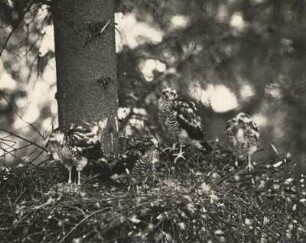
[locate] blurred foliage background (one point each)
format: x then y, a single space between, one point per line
228 56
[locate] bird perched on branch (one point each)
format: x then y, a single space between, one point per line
74 146
180 120
242 134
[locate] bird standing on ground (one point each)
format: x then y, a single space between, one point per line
71 147
180 120
242 134
145 165
145 157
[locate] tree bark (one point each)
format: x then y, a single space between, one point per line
86 65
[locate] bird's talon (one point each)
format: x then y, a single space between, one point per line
250 167
179 155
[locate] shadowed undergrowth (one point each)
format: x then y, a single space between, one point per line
203 198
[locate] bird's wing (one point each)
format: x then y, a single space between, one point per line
231 127
188 118
144 167
231 131
79 136
254 130
84 141
254 126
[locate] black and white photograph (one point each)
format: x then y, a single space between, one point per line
168 121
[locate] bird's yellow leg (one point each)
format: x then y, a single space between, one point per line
179 154
79 177
236 160
250 167
70 170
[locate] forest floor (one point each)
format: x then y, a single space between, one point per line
204 198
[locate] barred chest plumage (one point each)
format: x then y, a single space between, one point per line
65 154
167 117
145 166
72 147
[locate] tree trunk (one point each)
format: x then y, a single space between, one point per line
86 65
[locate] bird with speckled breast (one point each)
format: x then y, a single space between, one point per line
73 146
180 120
243 134
145 165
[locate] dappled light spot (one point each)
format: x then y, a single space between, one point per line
148 66
24 72
123 112
42 12
10 3
222 99
38 94
8 29
179 21
198 93
7 82
273 90
31 115
35 101
47 43
134 33
237 22
222 13
47 124
53 107
21 102
169 56
260 119
246 91
16 66
49 74
219 97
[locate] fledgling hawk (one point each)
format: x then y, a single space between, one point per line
145 165
74 146
243 134
180 120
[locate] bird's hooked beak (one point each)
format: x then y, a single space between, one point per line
241 123
165 95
